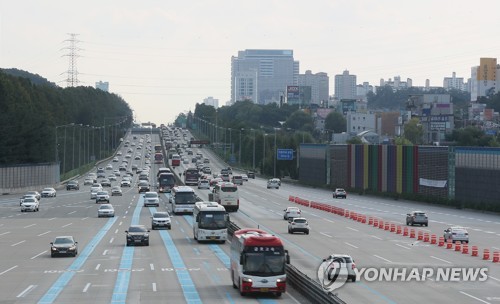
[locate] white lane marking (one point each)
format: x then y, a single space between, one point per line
441 260
98 266
66 225
84 218
116 231
494 278
4 233
86 287
38 255
43 233
384 259
327 235
71 212
5 271
490 232
124 216
50 219
105 252
376 237
26 291
111 241
293 298
154 286
29 226
473 297
329 220
18 243
352 229
126 212
403 246
351 245
152 266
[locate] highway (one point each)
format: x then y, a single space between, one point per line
176 269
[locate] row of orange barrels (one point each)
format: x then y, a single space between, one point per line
398 229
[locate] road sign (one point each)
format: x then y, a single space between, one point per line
285 154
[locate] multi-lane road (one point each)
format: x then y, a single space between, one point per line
176 269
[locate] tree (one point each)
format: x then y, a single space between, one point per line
354 141
413 131
401 141
299 120
336 122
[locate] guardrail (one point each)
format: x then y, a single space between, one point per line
307 287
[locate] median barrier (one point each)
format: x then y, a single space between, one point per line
346 213
291 198
474 251
486 254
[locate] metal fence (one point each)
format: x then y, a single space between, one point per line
22 177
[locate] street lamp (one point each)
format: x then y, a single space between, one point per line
56 150
253 154
263 151
239 157
275 152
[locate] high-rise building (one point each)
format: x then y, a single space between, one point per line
104 86
454 82
345 86
262 75
319 84
483 78
210 101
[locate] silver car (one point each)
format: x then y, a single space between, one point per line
417 217
161 219
298 224
456 234
30 204
291 212
116 190
151 199
106 210
340 264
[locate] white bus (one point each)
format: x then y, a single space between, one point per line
183 199
258 262
210 222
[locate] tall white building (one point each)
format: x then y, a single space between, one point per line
319 84
104 86
210 101
454 82
397 84
483 78
262 75
345 86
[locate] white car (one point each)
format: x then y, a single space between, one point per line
151 199
245 177
112 177
125 183
48 192
203 184
298 224
109 167
102 196
30 204
456 234
25 197
291 212
161 219
106 210
88 181
116 190
273 183
340 265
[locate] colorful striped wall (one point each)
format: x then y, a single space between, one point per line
383 168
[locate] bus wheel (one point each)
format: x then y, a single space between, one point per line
278 294
232 279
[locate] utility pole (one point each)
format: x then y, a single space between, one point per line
72 72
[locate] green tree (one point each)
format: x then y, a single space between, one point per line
413 131
354 141
335 121
299 120
401 141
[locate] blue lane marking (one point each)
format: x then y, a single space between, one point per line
230 298
64 279
123 278
188 288
211 273
224 258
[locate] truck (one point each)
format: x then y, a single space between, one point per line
258 262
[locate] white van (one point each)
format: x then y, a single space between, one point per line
227 195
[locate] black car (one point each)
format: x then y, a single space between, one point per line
64 245
143 186
137 235
251 174
72 185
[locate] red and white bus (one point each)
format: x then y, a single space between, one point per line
258 262
176 160
158 158
191 176
158 149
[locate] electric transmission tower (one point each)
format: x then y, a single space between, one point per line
72 72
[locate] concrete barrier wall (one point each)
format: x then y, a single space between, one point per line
25 177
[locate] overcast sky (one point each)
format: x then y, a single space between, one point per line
163 57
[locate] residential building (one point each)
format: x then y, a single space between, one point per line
319 84
104 86
319 118
210 101
262 75
484 78
345 86
359 122
397 84
454 82
362 90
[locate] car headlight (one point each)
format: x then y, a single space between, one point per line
280 280
53 249
245 279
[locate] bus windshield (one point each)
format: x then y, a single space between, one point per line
212 220
185 198
264 263
166 180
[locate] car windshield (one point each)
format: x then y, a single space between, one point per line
161 215
300 221
47 189
151 195
229 189
293 209
63 241
137 229
106 207
29 200
102 193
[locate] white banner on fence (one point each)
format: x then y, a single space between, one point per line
433 183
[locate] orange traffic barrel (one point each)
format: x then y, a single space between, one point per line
458 246
449 244
474 251
465 248
486 254
433 239
496 256
441 241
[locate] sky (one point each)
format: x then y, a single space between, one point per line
162 56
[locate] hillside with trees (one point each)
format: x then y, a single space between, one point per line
32 113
